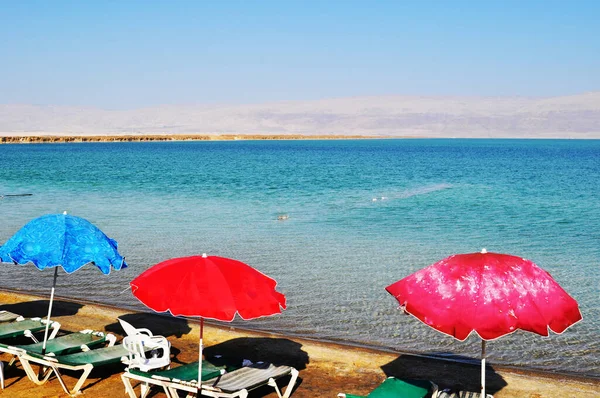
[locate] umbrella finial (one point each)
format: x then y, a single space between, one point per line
483 251
204 255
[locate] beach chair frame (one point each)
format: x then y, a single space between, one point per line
171 387
15 351
52 366
147 379
28 333
146 383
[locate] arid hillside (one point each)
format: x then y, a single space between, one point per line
576 116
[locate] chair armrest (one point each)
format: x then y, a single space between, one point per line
30 335
111 338
145 331
55 328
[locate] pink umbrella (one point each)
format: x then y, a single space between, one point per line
490 294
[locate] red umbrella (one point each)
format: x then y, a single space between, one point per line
490 294
208 287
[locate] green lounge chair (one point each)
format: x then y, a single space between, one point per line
22 327
394 387
81 361
72 342
236 383
67 344
161 378
26 327
239 382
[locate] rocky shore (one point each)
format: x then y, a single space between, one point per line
325 369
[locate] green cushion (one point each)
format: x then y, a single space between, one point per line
97 357
186 372
15 329
393 387
65 344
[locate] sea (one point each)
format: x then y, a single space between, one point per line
333 221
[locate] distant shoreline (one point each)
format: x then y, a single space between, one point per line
62 139
35 139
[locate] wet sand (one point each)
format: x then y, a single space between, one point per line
325 369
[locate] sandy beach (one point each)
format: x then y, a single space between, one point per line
325 368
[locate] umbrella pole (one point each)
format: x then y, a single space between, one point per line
200 355
49 310
482 368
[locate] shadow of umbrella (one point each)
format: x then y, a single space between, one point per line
459 372
163 325
277 351
38 308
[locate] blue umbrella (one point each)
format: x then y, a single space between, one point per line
61 240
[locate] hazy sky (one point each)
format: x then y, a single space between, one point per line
130 54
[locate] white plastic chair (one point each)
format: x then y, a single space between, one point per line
130 330
146 351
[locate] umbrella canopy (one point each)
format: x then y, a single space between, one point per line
61 240
208 287
490 294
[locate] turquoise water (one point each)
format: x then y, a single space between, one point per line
340 247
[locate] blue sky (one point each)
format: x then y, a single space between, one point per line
131 54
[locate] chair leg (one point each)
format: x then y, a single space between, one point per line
86 372
171 392
76 390
62 382
128 386
290 386
144 390
273 383
33 375
2 374
130 390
